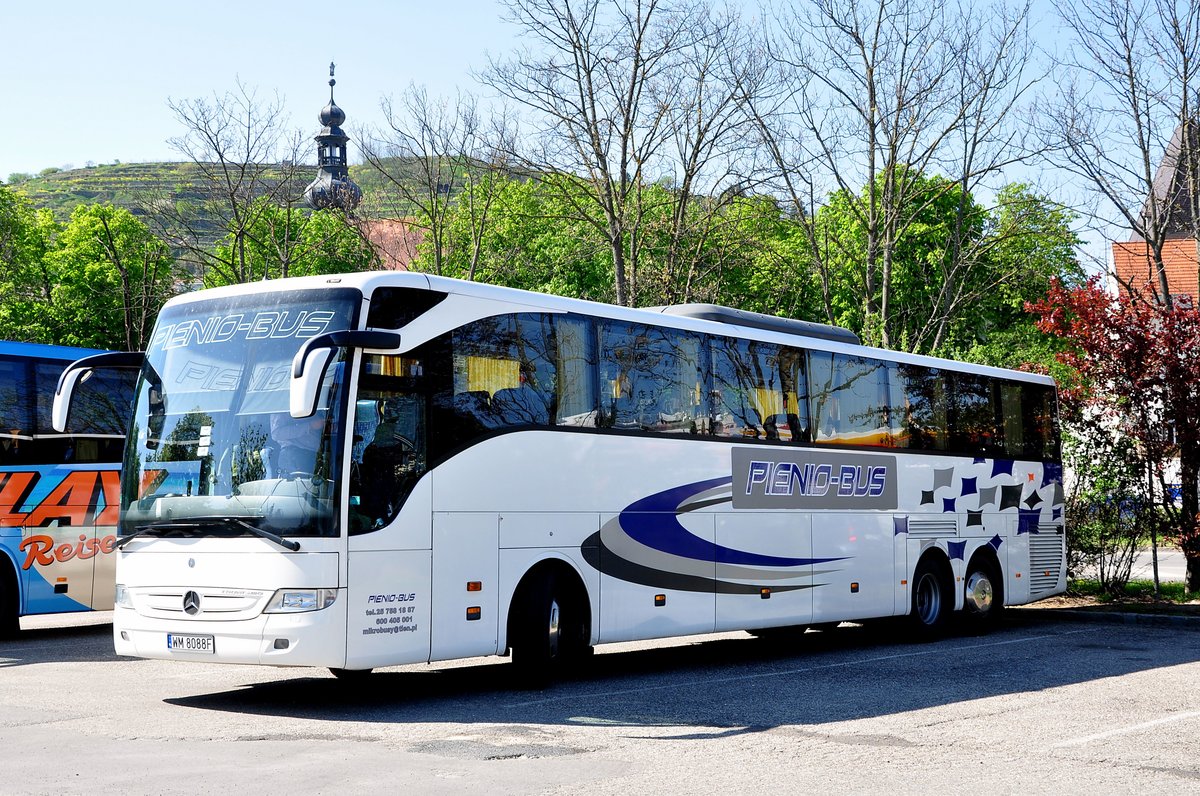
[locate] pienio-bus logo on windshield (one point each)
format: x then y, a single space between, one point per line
265 325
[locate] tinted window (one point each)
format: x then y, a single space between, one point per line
576 372
758 391
849 399
389 454
918 412
394 307
650 379
16 398
1038 416
973 416
101 403
505 370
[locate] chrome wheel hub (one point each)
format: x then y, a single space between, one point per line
979 593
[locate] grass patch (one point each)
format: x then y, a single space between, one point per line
1135 591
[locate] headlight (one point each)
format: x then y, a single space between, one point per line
294 601
121 596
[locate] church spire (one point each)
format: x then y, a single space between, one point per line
333 187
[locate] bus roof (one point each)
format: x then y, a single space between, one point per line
529 301
42 351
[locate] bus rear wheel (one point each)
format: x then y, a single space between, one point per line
983 596
932 600
548 628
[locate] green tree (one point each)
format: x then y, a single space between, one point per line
26 235
1031 243
767 264
111 277
960 273
284 241
532 240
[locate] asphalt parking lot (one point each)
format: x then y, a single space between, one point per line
1040 705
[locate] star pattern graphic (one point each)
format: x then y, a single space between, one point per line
1006 491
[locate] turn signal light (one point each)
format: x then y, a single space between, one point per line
764 593
474 585
474 612
660 600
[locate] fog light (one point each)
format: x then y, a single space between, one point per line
282 643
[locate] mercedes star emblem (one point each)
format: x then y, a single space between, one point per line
191 603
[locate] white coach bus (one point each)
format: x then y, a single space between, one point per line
384 468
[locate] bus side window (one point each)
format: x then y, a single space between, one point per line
577 396
505 371
974 427
918 407
650 378
757 391
16 420
850 398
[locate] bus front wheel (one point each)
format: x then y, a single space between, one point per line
352 676
548 628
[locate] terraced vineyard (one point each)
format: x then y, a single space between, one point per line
131 185
138 185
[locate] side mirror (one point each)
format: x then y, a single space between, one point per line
312 360
82 368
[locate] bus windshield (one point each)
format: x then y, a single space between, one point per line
212 438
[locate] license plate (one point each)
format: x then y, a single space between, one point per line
180 642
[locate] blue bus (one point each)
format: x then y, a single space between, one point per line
59 492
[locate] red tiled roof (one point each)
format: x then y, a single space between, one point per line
395 239
1134 264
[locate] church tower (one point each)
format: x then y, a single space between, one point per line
333 187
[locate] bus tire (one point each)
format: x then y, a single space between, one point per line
351 676
10 611
983 594
932 599
548 628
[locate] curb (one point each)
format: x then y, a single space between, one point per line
1174 621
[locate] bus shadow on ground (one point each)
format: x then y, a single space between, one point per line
88 643
735 684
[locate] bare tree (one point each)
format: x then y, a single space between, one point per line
436 152
869 95
711 152
1129 88
145 273
249 163
622 94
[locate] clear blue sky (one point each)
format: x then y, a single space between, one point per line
90 81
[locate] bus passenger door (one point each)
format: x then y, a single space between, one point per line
466 570
769 551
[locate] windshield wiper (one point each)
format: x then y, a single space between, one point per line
288 544
158 528
199 523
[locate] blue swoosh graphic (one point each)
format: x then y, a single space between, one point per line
653 521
